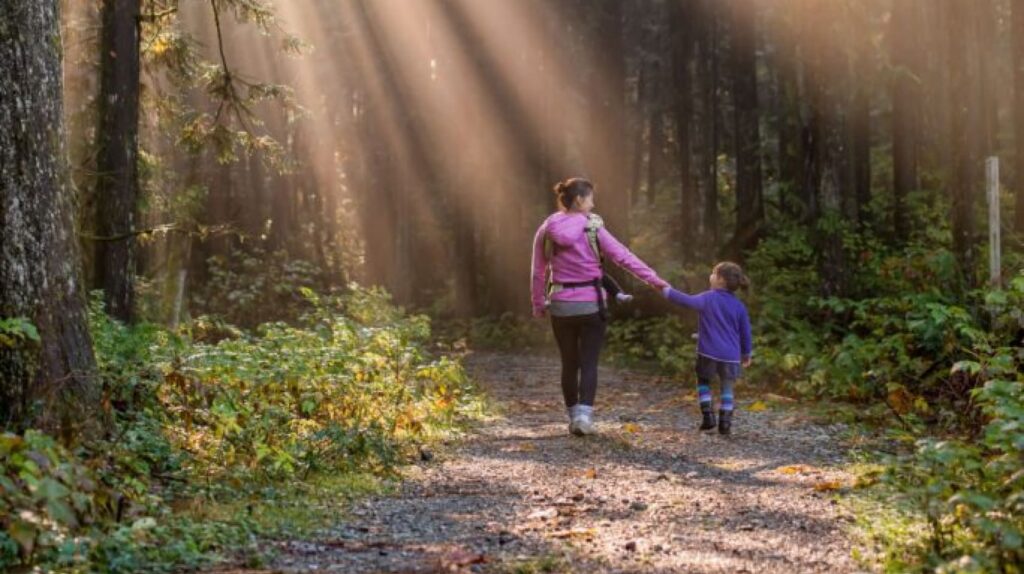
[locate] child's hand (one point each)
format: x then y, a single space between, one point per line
666 290
747 362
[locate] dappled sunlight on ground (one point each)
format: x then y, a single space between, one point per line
647 494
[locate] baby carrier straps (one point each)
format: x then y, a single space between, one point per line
594 224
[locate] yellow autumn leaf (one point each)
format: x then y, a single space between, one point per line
631 427
827 485
590 473
900 399
757 407
793 469
158 47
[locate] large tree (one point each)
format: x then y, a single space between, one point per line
961 135
906 58
117 160
49 383
1018 85
606 143
749 202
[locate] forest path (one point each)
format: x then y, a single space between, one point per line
647 494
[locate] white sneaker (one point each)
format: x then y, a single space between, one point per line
584 425
623 297
574 427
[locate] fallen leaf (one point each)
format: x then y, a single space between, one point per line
794 469
827 486
543 514
574 533
631 427
590 473
757 407
458 558
900 399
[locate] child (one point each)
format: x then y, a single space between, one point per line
723 339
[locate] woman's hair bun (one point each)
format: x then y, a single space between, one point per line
567 191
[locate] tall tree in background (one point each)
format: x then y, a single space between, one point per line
824 139
906 58
48 384
1018 111
859 117
961 142
707 122
682 33
607 134
749 202
117 161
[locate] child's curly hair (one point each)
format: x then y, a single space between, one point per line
732 274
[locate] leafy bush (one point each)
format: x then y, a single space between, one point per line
971 493
348 389
667 342
251 287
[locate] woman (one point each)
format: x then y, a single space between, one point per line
566 282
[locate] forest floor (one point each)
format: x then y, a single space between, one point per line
649 493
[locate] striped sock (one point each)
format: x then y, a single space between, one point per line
704 397
727 404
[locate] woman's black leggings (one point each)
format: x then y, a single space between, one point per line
580 339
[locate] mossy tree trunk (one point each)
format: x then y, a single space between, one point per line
49 383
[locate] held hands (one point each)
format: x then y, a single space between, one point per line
747 362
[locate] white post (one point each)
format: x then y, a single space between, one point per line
179 299
994 252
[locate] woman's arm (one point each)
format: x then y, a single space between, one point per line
623 257
538 273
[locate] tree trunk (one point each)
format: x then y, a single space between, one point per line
117 161
49 384
607 157
1018 84
709 65
788 119
824 143
682 16
749 201
906 57
638 136
860 127
961 180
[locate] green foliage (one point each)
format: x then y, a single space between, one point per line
506 332
667 342
47 499
17 331
252 287
970 493
237 421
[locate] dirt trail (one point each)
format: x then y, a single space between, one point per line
648 494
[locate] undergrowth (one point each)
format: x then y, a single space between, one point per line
221 437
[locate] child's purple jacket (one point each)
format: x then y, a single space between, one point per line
723 331
574 261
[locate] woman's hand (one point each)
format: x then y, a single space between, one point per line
747 362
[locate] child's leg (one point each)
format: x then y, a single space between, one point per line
728 373
727 401
705 372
